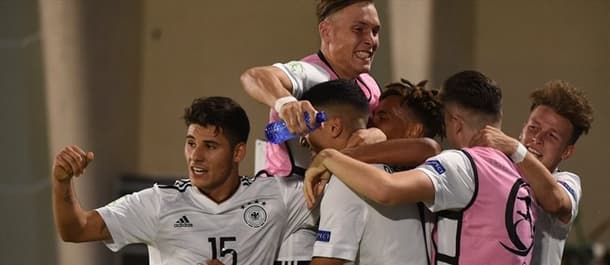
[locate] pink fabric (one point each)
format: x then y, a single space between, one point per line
497 227
277 161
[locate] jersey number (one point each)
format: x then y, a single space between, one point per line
223 251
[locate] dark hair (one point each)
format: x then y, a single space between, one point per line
567 101
338 92
424 103
222 112
326 8
475 91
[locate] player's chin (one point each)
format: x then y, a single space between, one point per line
363 67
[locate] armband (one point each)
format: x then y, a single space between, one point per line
519 155
280 102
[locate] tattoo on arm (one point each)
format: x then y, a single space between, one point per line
68 197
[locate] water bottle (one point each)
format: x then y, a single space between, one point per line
277 132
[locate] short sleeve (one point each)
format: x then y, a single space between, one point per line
451 173
303 75
342 222
299 216
570 182
131 218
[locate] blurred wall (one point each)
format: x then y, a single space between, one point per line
24 186
114 76
92 67
200 48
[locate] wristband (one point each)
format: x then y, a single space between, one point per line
519 155
280 102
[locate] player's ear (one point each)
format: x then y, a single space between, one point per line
324 30
336 127
567 152
239 152
415 130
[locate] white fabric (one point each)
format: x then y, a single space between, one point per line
303 75
519 154
280 102
182 227
454 184
551 233
356 230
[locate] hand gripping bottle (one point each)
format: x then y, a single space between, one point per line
277 132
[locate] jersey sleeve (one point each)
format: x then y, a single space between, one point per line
131 218
451 173
570 182
299 216
303 75
342 222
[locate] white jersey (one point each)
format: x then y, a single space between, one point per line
455 187
303 75
364 232
551 233
181 225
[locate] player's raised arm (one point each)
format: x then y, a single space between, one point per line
272 87
73 223
549 194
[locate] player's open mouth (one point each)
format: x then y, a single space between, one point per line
198 170
534 152
364 55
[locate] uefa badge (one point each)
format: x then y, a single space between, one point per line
255 215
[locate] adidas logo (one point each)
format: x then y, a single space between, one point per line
183 222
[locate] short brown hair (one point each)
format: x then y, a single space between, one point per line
326 8
569 102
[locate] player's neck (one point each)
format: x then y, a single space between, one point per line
225 190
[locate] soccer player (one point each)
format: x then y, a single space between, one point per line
411 117
352 229
214 216
484 207
559 115
349 37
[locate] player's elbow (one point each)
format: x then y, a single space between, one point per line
70 236
250 77
555 206
432 148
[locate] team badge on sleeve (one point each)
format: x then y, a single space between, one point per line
323 236
255 215
295 67
568 188
437 166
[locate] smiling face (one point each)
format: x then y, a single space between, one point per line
546 135
212 161
350 38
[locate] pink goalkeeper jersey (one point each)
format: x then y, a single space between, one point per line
497 226
304 74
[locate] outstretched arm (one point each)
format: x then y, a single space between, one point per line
551 197
398 152
402 187
267 84
73 223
